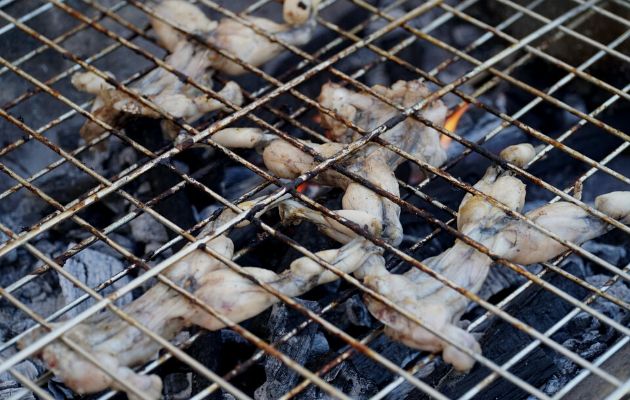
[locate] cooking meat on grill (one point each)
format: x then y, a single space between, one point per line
439 307
174 17
252 48
172 95
374 162
234 37
118 345
296 12
165 90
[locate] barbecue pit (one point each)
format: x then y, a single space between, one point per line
79 222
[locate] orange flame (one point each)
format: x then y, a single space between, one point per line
302 187
451 123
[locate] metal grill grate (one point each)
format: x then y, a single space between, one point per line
118 21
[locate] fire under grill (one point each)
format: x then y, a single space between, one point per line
88 226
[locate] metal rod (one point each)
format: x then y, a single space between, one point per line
200 136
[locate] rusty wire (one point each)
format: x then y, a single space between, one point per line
362 42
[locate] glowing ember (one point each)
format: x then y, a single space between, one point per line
451 123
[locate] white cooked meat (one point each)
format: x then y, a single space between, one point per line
119 346
439 307
198 62
374 162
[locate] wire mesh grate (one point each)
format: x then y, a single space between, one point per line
498 52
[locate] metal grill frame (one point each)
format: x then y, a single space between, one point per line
311 65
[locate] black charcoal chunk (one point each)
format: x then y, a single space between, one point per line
586 335
346 378
177 386
10 386
91 268
11 256
498 279
303 347
59 390
146 229
615 255
357 313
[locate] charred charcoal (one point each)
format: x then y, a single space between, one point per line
92 268
237 181
307 345
498 280
147 230
10 387
392 350
347 378
59 391
120 239
12 256
357 313
207 350
614 254
178 386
